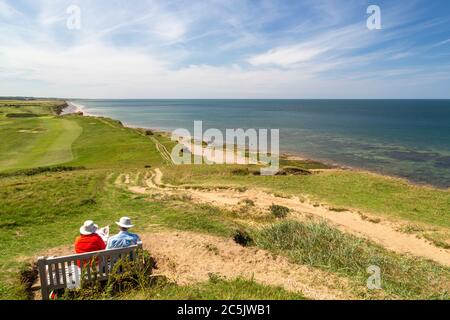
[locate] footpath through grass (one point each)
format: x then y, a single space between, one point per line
384 196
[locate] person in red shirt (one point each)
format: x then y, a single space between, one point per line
89 240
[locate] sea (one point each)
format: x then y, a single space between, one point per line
402 138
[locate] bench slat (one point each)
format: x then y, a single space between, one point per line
57 274
64 273
84 256
50 277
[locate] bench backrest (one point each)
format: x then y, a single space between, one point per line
60 272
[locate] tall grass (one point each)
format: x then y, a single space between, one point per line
214 289
319 245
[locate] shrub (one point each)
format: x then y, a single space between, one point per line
39 170
240 172
28 274
59 109
248 202
125 276
338 209
22 115
128 275
243 238
279 211
295 171
88 202
8 224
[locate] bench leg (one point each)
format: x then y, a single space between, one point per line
43 278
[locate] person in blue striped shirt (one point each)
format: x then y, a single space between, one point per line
124 238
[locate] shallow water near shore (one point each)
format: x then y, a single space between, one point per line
405 138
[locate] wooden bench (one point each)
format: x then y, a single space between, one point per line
65 272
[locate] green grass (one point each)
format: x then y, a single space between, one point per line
37 107
321 246
303 164
35 142
46 210
56 204
214 289
70 140
107 144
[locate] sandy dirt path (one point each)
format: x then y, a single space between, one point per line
384 233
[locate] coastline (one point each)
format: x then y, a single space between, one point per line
75 108
80 109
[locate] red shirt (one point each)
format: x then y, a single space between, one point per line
92 242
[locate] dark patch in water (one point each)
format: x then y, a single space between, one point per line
413 155
443 162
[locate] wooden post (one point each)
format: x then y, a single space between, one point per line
43 278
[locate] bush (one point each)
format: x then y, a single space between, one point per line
22 115
294 171
240 172
88 202
39 170
125 276
59 109
248 202
338 209
128 275
279 211
28 274
243 238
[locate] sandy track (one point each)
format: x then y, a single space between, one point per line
383 233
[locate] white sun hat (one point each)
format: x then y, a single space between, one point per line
125 222
88 228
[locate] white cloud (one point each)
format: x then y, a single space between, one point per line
99 71
286 56
169 28
160 49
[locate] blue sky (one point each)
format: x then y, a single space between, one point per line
225 49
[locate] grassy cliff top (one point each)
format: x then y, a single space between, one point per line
86 166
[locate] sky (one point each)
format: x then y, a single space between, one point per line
311 49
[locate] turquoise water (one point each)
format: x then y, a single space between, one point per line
406 138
